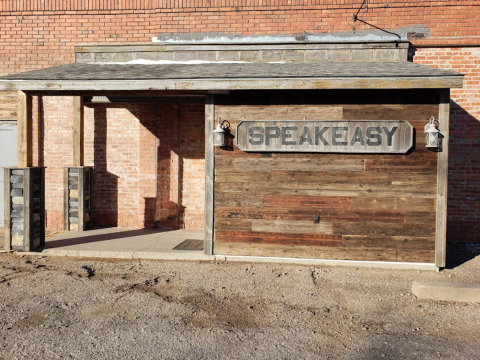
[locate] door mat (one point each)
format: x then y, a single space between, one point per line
190 244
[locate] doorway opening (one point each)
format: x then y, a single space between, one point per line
148 158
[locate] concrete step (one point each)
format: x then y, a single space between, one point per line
453 291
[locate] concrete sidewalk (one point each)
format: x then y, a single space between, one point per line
125 243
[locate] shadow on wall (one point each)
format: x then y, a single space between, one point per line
463 177
169 142
105 184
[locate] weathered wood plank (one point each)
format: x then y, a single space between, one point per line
252 213
209 173
24 129
42 207
7 210
389 242
223 224
346 190
66 199
421 217
8 105
427 82
236 152
410 165
409 178
306 201
336 215
298 164
279 112
78 130
327 178
329 214
233 176
285 226
379 229
442 180
226 187
333 253
409 112
81 199
238 199
394 204
28 229
257 237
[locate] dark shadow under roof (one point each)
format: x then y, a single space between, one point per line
212 76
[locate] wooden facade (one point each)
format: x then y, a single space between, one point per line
347 200
372 207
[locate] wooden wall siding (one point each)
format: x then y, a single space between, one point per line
371 207
8 105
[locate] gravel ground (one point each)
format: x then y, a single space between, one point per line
57 308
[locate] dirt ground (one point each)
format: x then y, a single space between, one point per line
64 308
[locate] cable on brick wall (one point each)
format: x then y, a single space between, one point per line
356 18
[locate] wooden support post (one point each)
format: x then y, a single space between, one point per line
442 180
78 115
8 209
25 208
209 172
66 200
24 128
78 182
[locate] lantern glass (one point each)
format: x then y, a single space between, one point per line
218 136
431 140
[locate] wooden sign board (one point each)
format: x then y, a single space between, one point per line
375 137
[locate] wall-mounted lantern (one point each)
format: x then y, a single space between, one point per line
219 132
432 134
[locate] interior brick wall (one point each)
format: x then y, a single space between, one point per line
148 158
57 153
192 152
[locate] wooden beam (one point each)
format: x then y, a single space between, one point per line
209 172
442 180
24 128
78 118
405 82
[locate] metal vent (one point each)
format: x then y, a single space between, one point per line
190 244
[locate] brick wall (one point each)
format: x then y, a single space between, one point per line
36 34
464 156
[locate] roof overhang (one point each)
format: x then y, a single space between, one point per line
232 76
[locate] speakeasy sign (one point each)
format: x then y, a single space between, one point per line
325 136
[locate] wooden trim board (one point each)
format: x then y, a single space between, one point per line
209 173
78 120
8 223
66 199
24 130
442 180
238 84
